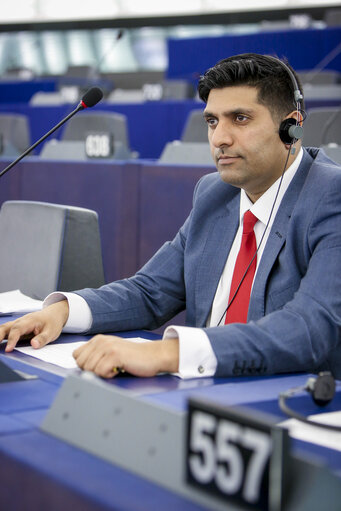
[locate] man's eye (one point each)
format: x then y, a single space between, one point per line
241 118
211 121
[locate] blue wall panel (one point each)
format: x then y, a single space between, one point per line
188 58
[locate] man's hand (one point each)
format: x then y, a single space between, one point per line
105 355
42 327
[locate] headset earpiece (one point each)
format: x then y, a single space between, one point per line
290 131
321 388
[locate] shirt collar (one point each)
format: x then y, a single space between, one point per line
262 207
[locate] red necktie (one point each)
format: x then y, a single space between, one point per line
237 312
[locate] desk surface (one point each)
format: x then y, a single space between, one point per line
54 475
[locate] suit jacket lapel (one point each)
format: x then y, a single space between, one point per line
217 247
277 239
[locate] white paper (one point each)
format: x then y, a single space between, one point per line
16 301
317 435
61 354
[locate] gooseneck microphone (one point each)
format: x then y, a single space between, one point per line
90 99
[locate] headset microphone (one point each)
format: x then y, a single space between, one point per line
322 390
290 129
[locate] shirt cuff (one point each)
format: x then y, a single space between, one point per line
80 316
196 356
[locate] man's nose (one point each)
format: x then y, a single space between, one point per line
222 135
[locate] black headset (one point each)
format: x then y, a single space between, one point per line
322 390
290 130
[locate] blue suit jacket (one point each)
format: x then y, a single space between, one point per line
295 308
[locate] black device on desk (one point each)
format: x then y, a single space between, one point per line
7 374
322 390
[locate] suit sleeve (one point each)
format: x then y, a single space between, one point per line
150 298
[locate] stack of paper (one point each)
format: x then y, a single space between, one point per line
12 302
61 354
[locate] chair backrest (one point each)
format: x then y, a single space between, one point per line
322 91
63 150
333 151
15 131
323 77
48 247
177 89
75 150
322 126
195 129
81 124
126 96
191 153
333 17
42 98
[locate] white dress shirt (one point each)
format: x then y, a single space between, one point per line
196 356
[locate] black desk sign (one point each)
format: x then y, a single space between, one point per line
236 456
99 145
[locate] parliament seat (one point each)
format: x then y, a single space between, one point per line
63 150
322 126
48 247
195 129
75 150
14 133
112 123
333 151
191 153
323 77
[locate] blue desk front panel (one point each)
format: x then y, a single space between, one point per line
109 188
166 196
15 91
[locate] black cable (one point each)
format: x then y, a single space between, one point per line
261 240
283 396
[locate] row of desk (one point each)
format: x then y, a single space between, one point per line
140 204
151 125
39 471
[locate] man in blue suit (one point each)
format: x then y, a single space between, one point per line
291 314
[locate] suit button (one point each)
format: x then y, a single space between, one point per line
201 369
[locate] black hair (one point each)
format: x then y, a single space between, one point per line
269 77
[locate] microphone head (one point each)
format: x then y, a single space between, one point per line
91 97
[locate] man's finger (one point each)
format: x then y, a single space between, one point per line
87 348
19 330
85 353
4 329
40 340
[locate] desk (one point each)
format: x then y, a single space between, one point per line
141 204
150 124
40 472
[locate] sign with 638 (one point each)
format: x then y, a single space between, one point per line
229 454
